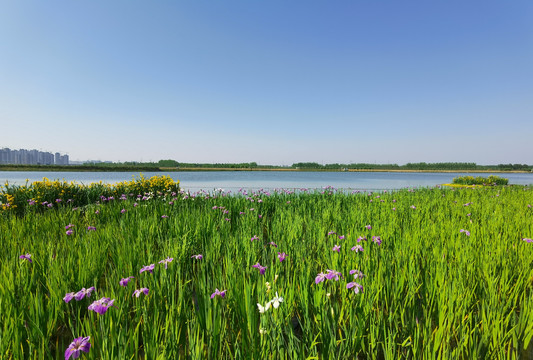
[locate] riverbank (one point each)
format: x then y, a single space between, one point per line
80 168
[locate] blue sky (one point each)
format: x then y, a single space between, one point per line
275 82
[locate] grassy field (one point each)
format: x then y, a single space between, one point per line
420 274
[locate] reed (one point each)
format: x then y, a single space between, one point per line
447 274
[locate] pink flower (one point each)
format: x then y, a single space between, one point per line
68 297
140 291
218 292
79 344
466 232
261 268
124 281
147 268
83 292
101 306
166 261
358 248
357 288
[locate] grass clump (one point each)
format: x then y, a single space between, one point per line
492 180
47 194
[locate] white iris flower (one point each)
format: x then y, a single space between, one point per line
276 301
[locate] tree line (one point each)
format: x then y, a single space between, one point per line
173 164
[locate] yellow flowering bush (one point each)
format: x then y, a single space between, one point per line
55 193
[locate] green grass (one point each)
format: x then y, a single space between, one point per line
491 180
430 291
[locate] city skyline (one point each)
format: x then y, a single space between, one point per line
273 83
31 157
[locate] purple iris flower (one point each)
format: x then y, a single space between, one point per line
467 233
281 256
261 268
123 211
331 233
69 226
357 288
273 244
332 274
255 237
79 344
91 228
218 292
358 248
68 297
164 216
69 232
320 277
26 257
166 261
197 257
124 281
147 268
413 207
361 238
101 306
528 240
368 227
376 239
337 248
357 274
138 292
83 292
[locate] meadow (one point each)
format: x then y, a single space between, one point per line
143 270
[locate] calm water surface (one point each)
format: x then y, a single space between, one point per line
253 180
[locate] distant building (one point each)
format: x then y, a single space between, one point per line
31 157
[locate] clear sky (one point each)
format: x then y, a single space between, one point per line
275 82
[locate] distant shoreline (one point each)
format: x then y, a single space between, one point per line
74 168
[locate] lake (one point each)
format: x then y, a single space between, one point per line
253 180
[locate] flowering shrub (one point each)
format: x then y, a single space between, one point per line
46 194
478 180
